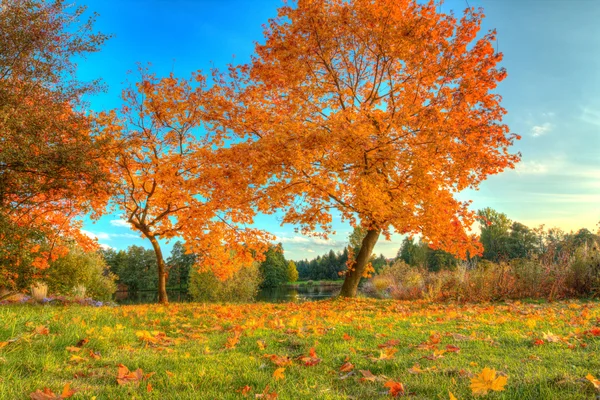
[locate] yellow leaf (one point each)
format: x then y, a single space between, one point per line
278 374
487 380
452 397
595 382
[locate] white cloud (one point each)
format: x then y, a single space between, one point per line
97 235
315 241
531 167
120 223
539 130
590 116
109 236
125 235
105 246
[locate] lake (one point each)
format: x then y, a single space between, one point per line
267 295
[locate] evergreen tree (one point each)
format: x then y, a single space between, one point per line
274 269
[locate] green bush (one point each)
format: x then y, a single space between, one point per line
79 268
241 287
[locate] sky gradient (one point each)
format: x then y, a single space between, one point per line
552 94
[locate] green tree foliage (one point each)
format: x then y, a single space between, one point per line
135 267
495 231
355 239
326 267
79 268
379 262
179 265
292 272
412 253
504 239
274 269
419 254
240 287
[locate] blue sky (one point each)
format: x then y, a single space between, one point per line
552 94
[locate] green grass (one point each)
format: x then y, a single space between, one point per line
192 362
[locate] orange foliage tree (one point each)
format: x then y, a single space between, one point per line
51 165
172 182
382 110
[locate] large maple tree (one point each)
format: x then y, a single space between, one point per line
382 110
172 182
51 168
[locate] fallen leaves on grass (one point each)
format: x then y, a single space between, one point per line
125 376
48 394
280 361
266 394
311 359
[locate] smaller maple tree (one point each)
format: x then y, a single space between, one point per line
172 182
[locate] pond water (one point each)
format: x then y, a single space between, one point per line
300 293
268 295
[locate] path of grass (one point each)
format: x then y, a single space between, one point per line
214 351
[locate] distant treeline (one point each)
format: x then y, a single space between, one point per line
502 240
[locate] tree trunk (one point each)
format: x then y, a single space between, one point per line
162 273
350 286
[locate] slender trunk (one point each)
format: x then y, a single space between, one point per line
162 273
350 286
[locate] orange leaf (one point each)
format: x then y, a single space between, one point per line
278 374
396 388
347 367
594 381
367 375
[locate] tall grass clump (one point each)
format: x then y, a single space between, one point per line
556 274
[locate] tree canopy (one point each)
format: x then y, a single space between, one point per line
370 108
52 167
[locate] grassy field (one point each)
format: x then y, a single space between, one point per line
196 351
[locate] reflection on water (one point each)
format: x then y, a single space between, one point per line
267 295
151 296
300 293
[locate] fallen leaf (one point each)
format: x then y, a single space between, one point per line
452 349
487 380
595 382
396 388
367 375
278 374
347 367
42 330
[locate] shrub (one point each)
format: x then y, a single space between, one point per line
554 275
80 269
241 287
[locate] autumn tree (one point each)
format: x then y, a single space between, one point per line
292 272
382 110
171 182
51 165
